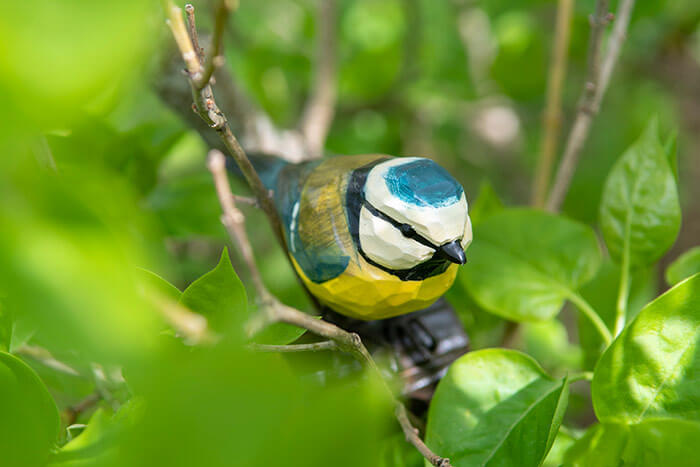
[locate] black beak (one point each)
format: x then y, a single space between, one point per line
453 251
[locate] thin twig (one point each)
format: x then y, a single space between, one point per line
192 27
552 113
215 58
313 347
72 413
45 357
273 311
318 115
597 80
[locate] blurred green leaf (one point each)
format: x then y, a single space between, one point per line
639 211
684 266
483 328
652 368
487 203
99 443
188 206
548 343
488 402
29 423
523 263
157 283
219 295
53 73
562 443
397 452
220 405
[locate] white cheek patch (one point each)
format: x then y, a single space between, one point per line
467 238
385 245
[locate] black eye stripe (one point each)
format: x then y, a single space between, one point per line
405 229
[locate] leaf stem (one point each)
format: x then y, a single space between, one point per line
591 314
624 291
584 375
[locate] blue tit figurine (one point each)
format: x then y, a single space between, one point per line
372 236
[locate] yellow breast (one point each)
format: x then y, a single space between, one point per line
366 292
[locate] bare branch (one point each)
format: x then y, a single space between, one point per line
214 59
552 113
312 347
598 78
192 27
318 115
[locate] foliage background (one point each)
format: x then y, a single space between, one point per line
462 82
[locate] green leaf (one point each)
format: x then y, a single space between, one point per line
639 212
655 441
524 263
652 369
487 203
684 266
29 421
219 295
188 206
496 407
159 284
98 444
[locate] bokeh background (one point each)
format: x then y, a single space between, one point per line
101 170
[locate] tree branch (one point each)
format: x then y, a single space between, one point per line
552 113
597 80
318 114
273 311
313 347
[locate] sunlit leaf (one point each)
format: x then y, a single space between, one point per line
652 368
488 403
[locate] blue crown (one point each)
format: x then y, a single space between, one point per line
423 183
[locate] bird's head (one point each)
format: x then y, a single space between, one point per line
413 212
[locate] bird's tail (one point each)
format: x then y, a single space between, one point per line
268 167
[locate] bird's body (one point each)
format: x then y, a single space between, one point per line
372 236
